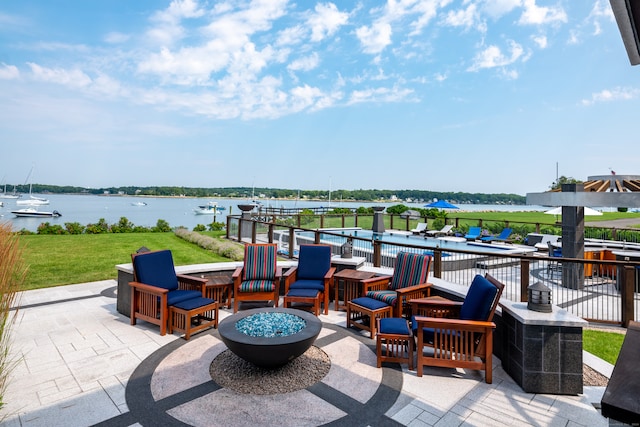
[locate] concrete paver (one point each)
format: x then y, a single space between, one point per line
76 357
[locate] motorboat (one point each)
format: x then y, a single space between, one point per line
138 204
34 213
210 208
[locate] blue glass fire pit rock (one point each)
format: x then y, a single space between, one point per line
270 337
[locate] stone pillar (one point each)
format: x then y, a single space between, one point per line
246 230
573 240
378 219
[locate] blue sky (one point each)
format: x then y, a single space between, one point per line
444 95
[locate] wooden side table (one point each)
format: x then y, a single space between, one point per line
352 286
219 288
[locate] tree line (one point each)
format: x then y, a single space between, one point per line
417 196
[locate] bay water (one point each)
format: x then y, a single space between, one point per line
177 211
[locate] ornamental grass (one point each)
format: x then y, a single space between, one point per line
12 275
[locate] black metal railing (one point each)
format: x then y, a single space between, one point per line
600 289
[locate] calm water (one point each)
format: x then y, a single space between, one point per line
88 209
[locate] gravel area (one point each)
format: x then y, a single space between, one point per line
235 373
591 377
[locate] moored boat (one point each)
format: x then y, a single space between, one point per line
34 213
210 208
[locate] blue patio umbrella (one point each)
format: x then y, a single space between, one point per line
441 204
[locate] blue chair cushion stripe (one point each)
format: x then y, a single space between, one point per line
257 286
260 262
388 297
411 269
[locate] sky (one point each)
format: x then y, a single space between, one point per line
489 96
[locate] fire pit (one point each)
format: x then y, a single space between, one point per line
269 337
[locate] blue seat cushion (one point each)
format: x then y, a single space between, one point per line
305 293
315 261
370 303
427 333
479 300
179 295
193 303
308 284
394 325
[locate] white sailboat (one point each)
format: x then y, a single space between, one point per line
32 200
5 195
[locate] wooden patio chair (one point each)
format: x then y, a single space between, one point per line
310 280
409 281
259 278
156 286
459 334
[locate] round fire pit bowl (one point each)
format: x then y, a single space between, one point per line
278 345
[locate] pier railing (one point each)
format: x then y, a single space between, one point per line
600 288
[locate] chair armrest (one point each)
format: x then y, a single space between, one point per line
420 288
379 283
330 272
149 288
463 325
436 308
290 276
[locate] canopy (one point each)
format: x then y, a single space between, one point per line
441 204
587 211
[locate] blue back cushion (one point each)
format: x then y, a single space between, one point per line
314 261
156 269
411 269
479 300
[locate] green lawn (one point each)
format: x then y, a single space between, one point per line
606 345
61 260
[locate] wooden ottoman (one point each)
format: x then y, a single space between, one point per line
193 315
362 313
303 296
397 338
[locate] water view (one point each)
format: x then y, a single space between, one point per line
145 211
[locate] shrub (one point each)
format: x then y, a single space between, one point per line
162 226
13 271
216 226
46 228
225 248
99 228
199 227
74 227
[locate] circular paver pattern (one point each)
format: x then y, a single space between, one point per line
173 386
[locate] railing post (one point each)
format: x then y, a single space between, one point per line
316 237
270 232
292 240
322 221
240 229
254 231
437 263
628 284
228 230
538 227
377 253
391 222
524 279
342 220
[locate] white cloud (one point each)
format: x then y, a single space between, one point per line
541 41
72 78
609 95
492 57
382 94
305 64
538 15
498 8
326 21
462 17
374 38
9 72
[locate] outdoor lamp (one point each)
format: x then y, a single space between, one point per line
539 298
